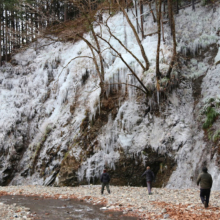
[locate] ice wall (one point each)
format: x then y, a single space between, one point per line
44 100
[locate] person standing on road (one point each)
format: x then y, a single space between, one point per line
105 179
205 181
149 178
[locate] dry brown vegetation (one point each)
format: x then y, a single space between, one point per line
66 31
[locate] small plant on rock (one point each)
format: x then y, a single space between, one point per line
216 135
211 114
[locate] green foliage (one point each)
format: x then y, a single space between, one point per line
216 135
48 130
211 116
13 4
211 100
38 148
205 2
210 134
9 4
66 155
164 81
213 135
144 153
174 74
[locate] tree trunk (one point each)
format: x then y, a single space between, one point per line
145 90
26 27
13 34
22 32
6 35
193 5
65 11
10 34
173 33
136 36
32 26
36 22
126 2
169 3
142 22
3 38
158 8
1 9
162 16
125 47
136 13
177 7
164 7
99 54
18 31
152 12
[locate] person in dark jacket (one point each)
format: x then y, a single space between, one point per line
149 178
105 179
205 181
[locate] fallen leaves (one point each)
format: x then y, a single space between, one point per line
183 212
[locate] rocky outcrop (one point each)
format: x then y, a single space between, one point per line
128 170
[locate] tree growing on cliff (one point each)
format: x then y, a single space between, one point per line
87 17
145 66
94 44
173 34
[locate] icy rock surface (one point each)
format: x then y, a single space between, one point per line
44 101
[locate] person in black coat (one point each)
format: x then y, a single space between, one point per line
205 181
105 179
149 178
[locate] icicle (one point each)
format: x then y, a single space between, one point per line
117 80
122 80
110 84
129 89
99 105
108 88
110 118
158 98
125 33
150 104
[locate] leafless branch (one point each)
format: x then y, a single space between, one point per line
109 30
146 90
68 64
127 85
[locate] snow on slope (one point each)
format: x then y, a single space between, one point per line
44 88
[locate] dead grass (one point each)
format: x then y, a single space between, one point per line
66 31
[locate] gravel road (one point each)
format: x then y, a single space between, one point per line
133 201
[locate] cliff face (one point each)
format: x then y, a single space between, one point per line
57 128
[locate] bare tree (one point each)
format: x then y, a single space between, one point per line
173 33
1 11
136 13
158 10
193 5
147 64
142 19
87 13
145 90
151 10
